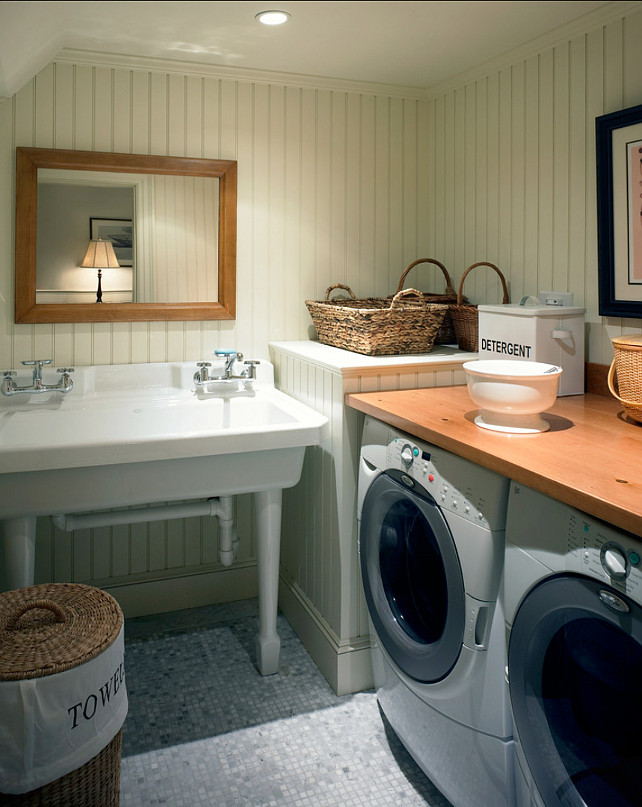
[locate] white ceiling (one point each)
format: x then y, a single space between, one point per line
418 44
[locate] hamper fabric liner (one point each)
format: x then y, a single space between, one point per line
626 370
63 699
377 326
465 316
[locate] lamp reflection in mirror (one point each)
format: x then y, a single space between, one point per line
100 255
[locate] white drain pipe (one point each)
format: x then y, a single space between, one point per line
228 540
221 507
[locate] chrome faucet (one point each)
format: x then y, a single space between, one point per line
202 376
37 365
230 357
10 387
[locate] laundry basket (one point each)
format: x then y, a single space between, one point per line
446 333
62 696
377 326
465 316
626 371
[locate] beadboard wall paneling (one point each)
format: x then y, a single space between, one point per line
332 188
511 171
328 191
185 235
319 540
127 554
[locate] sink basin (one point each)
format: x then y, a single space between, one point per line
512 394
142 413
141 434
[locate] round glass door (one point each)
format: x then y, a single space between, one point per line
412 577
575 665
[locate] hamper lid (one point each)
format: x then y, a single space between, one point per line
53 627
628 342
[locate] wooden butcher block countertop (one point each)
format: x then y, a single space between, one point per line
591 458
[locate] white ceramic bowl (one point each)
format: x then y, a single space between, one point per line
512 394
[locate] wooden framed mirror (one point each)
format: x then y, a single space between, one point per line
59 166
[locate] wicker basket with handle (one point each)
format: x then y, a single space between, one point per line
377 326
446 334
626 370
465 316
57 637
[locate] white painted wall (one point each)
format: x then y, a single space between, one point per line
64 213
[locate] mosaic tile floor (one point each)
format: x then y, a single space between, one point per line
204 728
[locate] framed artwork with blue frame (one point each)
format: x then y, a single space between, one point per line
618 140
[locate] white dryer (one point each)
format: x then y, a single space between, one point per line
431 546
573 595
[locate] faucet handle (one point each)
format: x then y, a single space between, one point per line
251 368
65 370
230 355
36 362
202 374
9 373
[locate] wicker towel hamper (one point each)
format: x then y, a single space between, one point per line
62 696
626 370
377 326
446 334
465 316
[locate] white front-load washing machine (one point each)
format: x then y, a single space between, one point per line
573 596
431 547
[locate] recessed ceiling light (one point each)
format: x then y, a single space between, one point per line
272 17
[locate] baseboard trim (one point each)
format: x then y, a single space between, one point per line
347 667
186 591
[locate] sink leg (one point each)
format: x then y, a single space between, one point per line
19 538
268 539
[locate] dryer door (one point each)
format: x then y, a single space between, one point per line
412 578
575 666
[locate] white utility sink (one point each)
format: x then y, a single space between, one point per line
138 434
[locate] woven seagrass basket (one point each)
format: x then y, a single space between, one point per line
446 333
465 316
626 370
52 628
377 326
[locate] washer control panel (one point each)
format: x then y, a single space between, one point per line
551 530
456 484
597 549
613 559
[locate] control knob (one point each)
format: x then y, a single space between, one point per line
614 561
407 455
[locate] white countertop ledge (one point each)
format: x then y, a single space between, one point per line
349 363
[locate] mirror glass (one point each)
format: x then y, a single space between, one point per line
171 222
164 230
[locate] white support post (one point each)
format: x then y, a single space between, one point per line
19 538
268 539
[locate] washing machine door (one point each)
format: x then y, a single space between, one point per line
412 577
575 667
